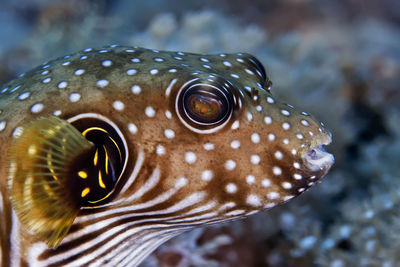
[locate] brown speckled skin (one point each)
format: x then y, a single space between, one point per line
150 133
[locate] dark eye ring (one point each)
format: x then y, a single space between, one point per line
204 107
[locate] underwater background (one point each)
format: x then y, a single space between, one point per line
338 60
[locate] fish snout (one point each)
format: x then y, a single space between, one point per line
317 159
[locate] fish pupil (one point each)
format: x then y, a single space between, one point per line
204 106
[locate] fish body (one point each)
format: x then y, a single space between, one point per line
107 153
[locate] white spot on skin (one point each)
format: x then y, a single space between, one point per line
153 71
234 75
24 95
74 97
168 114
286 185
45 72
66 63
301 190
46 80
118 105
150 112
299 136
273 195
190 157
230 165
286 141
178 58
297 176
172 70
249 71
255 159
131 71
235 125
267 120
270 100
132 128
235 144
2 125
255 138
286 126
231 188
136 89
296 165
271 137
36 108
106 63
102 83
249 116
160 150
227 63
259 108
276 170
158 59
305 123
294 151
204 59
253 200
285 112
265 182
250 179
278 155
209 146
57 113
79 72
206 175
169 133
135 60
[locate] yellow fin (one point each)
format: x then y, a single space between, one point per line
38 177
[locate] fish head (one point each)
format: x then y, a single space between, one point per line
220 136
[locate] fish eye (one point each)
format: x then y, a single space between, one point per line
204 106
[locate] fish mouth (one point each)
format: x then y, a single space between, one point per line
318 159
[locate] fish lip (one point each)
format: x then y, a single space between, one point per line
318 159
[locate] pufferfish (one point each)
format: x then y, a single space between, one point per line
108 153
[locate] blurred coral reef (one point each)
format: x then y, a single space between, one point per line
339 60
